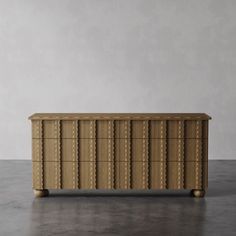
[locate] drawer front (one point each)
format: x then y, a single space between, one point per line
120 175
120 149
119 129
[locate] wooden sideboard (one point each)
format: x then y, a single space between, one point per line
120 151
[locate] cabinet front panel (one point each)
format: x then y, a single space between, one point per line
121 154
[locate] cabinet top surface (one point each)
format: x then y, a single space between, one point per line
119 116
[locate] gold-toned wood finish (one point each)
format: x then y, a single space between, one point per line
120 151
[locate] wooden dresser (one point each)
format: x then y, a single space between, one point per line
120 151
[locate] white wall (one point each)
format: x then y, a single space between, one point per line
117 56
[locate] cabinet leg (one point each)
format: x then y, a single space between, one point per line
41 192
198 192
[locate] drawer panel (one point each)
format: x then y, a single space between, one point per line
119 129
55 175
120 149
120 175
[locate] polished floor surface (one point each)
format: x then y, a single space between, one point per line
105 213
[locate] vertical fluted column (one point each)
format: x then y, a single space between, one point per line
166 171
59 154
110 154
77 152
92 154
128 167
41 153
145 167
74 153
180 165
198 168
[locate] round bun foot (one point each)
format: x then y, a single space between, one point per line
41 192
198 192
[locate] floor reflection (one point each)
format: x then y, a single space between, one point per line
73 213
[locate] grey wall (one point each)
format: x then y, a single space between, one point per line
117 56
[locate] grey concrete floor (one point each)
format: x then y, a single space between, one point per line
106 213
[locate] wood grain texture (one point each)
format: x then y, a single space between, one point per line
112 153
